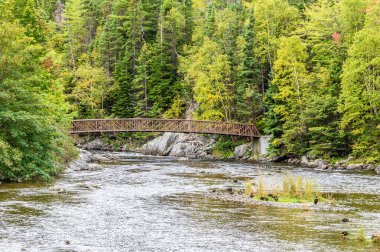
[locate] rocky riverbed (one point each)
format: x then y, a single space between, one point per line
200 147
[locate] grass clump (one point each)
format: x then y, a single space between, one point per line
299 188
292 190
249 189
261 191
360 234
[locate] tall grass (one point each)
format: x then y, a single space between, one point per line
261 191
360 234
249 189
292 187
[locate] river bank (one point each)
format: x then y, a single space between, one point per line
194 146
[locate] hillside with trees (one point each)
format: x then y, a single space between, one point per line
306 72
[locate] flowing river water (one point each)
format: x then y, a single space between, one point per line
144 203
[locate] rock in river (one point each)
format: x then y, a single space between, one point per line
161 145
241 150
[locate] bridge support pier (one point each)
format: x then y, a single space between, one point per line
260 145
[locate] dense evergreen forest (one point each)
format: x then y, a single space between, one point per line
306 72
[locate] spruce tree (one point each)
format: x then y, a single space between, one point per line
248 98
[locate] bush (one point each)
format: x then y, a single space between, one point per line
224 147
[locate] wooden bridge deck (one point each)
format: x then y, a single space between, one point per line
163 125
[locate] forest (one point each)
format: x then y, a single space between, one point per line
306 72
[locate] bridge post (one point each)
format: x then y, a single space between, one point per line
260 145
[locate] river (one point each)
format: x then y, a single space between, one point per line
145 203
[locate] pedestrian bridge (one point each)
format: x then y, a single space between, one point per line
164 125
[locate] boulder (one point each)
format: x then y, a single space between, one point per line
277 159
81 162
161 145
344 161
182 150
193 146
304 160
369 167
355 166
96 144
377 169
241 150
320 163
180 145
294 161
124 147
97 158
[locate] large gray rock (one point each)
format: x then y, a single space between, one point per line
320 163
179 145
377 169
241 150
191 145
82 163
96 144
355 166
182 150
161 145
304 160
344 161
97 158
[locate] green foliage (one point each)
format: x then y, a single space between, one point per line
207 70
225 147
33 114
291 67
249 98
292 81
360 94
306 71
274 18
90 90
176 109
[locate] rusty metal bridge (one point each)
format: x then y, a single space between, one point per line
163 125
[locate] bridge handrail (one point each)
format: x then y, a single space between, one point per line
163 125
160 119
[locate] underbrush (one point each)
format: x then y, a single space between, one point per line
224 148
132 140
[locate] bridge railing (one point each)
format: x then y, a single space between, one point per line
163 125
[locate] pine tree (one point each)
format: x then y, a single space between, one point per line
248 98
141 82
